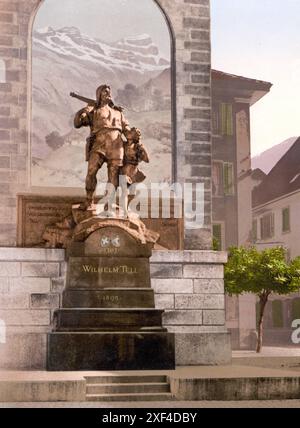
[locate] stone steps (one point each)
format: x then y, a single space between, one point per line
128 388
131 388
125 379
130 397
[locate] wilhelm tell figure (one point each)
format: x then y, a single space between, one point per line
105 144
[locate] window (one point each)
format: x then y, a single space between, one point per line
254 230
277 313
228 179
216 119
286 227
217 236
226 119
296 309
222 119
267 226
217 179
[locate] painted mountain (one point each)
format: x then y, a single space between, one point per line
65 60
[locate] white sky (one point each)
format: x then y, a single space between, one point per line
261 39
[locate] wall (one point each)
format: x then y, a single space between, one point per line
31 281
190 23
188 285
281 238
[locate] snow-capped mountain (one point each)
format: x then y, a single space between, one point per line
133 53
65 60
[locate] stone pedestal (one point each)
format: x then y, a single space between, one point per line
108 319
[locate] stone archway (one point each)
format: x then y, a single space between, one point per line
189 20
45 87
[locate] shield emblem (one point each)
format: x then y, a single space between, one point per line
105 241
116 242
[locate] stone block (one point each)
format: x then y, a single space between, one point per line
200 301
29 285
203 271
164 301
197 23
186 256
109 298
5 162
182 318
26 317
6 17
32 254
24 351
214 317
108 320
10 269
169 286
4 285
14 301
44 301
106 351
204 349
58 284
45 391
40 269
208 286
196 329
165 270
4 135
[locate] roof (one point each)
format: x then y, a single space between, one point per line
282 180
258 174
251 90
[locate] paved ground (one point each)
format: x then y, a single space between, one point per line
163 405
270 357
274 362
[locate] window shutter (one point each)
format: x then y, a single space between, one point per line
228 179
286 220
272 225
223 118
229 117
226 111
215 120
254 230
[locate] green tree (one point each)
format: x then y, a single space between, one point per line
261 273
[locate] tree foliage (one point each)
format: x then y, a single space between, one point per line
261 273
252 271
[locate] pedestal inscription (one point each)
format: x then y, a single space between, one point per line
103 272
108 320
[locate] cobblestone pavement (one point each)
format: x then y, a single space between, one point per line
272 404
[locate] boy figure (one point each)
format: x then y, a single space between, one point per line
134 153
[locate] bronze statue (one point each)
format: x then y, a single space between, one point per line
108 127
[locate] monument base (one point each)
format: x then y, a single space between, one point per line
110 351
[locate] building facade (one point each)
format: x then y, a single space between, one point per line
276 207
232 98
